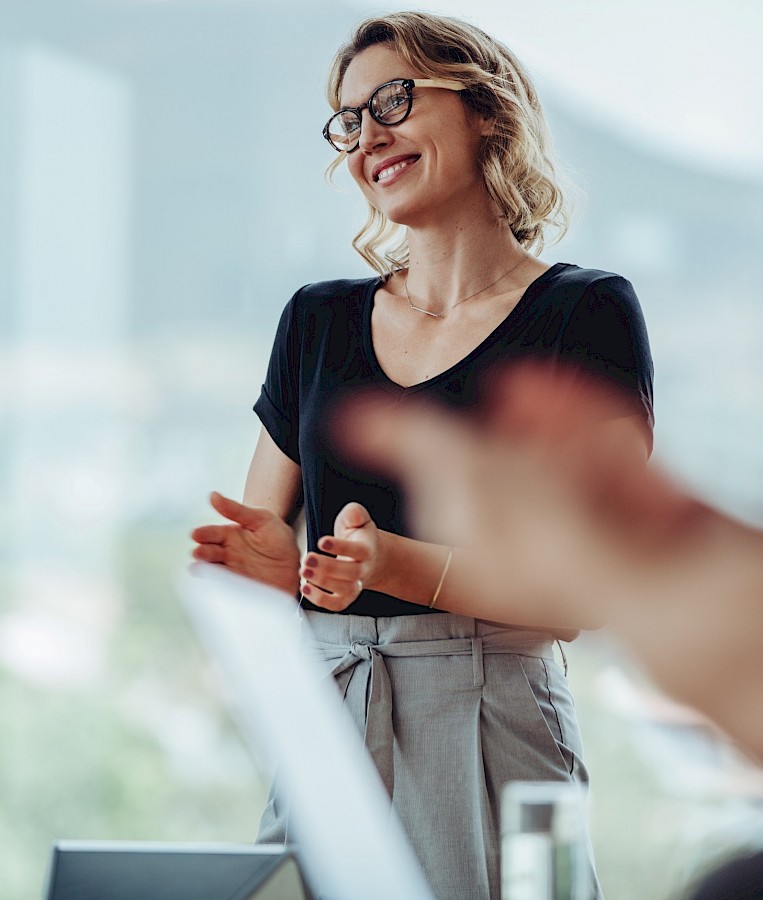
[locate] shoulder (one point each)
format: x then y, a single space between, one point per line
325 295
324 309
322 302
574 284
579 280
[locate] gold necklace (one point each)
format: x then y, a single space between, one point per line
442 315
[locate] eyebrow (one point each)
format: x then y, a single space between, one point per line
386 81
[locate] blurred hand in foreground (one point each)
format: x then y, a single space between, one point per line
557 509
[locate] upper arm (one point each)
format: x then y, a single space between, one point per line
273 481
606 336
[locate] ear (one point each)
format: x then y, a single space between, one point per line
485 126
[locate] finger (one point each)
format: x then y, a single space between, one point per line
329 573
540 401
397 440
350 550
211 553
565 422
340 588
404 441
250 517
335 602
360 429
571 406
210 534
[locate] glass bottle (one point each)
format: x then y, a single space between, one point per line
544 845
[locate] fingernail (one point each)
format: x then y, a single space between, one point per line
311 561
307 573
306 589
327 544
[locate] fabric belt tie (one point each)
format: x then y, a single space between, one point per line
378 732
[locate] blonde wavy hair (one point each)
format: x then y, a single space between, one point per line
515 157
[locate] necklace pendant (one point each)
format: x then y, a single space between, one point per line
435 315
426 312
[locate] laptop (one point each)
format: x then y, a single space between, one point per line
350 841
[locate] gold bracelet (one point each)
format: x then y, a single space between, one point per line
442 578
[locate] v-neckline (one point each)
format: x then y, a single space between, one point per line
381 377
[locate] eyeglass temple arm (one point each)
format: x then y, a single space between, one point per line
446 83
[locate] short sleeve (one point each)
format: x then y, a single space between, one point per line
278 404
606 336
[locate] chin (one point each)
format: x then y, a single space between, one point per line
405 214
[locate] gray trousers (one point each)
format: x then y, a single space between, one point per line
451 708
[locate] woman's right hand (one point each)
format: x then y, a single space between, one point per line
257 544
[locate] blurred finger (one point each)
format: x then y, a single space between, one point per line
370 430
210 534
211 553
250 517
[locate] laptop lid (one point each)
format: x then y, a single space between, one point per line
350 841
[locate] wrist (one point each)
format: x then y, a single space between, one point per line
436 594
376 580
286 574
292 585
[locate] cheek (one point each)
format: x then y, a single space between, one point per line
355 168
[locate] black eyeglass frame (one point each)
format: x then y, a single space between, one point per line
409 84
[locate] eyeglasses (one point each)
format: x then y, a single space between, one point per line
390 104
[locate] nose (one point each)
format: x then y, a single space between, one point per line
372 133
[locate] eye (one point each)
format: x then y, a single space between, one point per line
348 123
389 101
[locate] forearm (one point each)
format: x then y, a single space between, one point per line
412 569
409 569
273 481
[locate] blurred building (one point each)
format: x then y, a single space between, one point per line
161 197
226 213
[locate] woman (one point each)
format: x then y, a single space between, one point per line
442 132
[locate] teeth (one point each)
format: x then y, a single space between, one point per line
385 173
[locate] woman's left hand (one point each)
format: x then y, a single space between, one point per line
334 582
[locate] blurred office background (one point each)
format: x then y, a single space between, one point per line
161 197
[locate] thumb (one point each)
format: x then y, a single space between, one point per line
249 517
351 516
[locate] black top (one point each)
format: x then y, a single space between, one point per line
323 350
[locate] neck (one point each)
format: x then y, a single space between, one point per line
450 260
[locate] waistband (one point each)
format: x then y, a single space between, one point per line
444 634
347 640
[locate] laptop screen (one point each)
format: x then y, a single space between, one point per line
349 838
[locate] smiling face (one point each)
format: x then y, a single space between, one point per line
424 169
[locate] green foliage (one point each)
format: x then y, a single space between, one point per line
146 753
